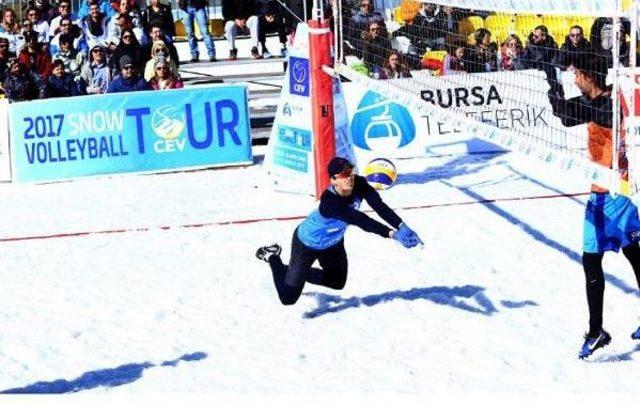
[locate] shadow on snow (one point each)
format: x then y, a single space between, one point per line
473 163
468 298
124 374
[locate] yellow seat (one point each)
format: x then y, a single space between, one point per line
180 31
558 27
216 27
469 24
500 26
524 24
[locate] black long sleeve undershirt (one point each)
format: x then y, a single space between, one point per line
339 207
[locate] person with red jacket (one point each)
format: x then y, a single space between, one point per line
34 57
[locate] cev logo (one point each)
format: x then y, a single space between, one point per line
168 123
299 76
381 125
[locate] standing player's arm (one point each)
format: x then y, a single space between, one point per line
572 112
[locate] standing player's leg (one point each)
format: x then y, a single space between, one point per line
632 253
594 281
597 337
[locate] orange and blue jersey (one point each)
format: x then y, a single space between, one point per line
610 223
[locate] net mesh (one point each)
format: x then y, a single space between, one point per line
520 75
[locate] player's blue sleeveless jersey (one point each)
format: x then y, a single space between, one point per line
319 232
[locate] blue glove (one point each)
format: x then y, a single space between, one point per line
407 237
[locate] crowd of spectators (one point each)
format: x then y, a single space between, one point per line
437 28
120 45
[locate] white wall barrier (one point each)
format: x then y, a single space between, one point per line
5 160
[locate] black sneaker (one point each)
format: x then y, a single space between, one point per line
592 343
254 53
194 59
213 58
264 253
233 54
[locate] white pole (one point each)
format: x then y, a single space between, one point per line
632 136
616 86
336 46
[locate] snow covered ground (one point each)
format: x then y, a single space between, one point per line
164 294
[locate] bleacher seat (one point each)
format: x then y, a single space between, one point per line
558 27
524 24
216 28
500 25
468 25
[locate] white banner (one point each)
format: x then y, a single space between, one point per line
5 161
383 127
289 160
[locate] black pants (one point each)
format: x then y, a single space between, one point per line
290 280
594 276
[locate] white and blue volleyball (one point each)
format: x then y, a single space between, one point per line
380 173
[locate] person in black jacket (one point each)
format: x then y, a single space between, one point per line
158 14
602 40
540 53
156 33
376 47
241 19
22 84
196 10
483 56
575 46
60 83
272 19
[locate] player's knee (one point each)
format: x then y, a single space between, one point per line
337 283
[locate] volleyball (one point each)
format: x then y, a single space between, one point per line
380 173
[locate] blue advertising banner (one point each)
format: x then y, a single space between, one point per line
142 131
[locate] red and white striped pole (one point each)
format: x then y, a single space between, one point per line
320 39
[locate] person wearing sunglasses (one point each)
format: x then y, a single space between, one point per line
38 24
575 46
321 235
163 78
64 12
97 74
129 79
